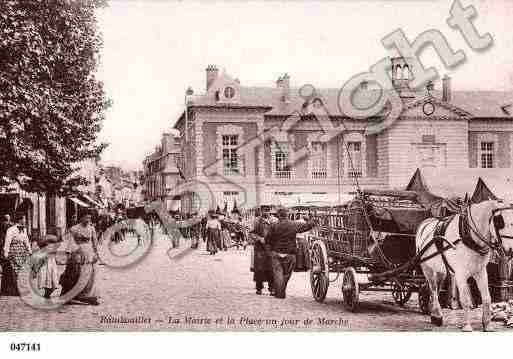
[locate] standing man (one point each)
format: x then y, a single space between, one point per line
282 241
262 266
5 224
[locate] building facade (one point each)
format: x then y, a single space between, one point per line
161 174
230 142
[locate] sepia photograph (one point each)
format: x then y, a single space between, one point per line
276 166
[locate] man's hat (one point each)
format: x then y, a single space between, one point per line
282 211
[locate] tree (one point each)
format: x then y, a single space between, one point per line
51 103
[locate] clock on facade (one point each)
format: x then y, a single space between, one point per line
428 108
229 92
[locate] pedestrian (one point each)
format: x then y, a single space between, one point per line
262 265
175 240
82 253
204 227
16 251
281 238
4 226
47 276
225 235
213 233
5 223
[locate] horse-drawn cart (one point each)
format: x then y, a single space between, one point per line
370 241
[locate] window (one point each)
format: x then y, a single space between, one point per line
318 160
230 198
406 72
487 154
355 153
230 159
399 72
282 169
428 138
229 92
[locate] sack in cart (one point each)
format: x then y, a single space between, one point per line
302 256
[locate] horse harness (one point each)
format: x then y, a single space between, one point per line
466 226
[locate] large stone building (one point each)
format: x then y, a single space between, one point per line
444 129
161 174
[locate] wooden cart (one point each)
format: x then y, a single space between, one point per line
370 241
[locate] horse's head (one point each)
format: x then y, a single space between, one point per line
501 227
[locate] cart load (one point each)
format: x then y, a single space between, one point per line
373 234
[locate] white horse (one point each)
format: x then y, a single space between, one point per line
489 227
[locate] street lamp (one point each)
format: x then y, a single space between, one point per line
188 93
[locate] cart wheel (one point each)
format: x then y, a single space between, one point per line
425 299
350 289
319 272
401 293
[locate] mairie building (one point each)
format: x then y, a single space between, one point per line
226 147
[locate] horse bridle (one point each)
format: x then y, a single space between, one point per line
498 224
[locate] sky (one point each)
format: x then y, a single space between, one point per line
154 50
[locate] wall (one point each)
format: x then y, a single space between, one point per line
210 145
406 132
504 148
371 153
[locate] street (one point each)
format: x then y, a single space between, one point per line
189 289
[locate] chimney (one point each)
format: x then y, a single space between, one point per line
212 73
283 83
446 89
286 81
279 82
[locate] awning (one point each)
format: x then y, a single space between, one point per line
92 201
79 202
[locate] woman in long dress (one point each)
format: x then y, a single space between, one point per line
48 276
82 253
213 228
225 238
16 250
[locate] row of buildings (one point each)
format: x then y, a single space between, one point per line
441 129
49 214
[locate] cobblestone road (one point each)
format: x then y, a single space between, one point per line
194 290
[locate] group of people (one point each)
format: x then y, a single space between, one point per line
217 234
79 244
275 249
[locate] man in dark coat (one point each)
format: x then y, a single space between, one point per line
5 224
282 241
262 266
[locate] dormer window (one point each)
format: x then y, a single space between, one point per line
229 92
317 103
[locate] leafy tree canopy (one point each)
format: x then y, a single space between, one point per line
51 103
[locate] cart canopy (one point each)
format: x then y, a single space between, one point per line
444 190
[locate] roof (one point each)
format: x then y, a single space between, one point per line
499 182
452 183
479 104
444 182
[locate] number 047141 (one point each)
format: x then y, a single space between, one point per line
25 347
